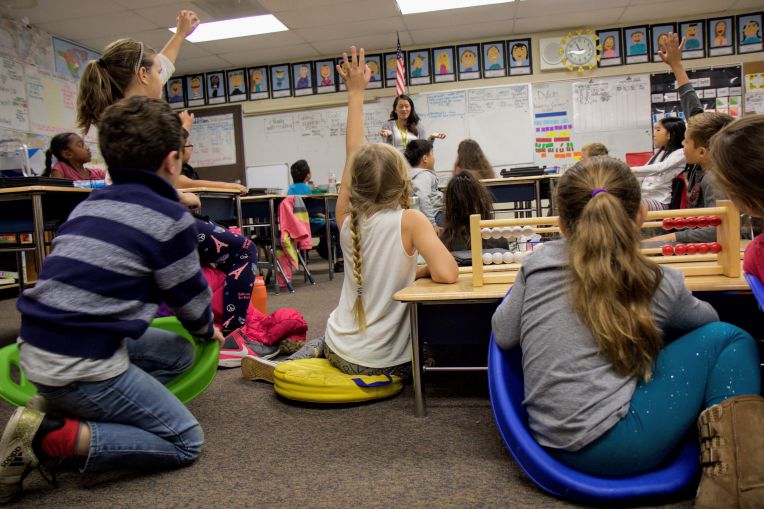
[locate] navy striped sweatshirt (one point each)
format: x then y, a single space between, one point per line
121 252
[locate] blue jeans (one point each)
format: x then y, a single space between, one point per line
135 422
701 369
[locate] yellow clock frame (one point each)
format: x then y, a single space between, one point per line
597 48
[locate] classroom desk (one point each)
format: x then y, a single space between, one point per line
433 315
261 207
329 202
38 205
521 189
220 205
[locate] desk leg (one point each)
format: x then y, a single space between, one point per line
39 230
552 189
274 247
538 198
239 221
416 369
329 242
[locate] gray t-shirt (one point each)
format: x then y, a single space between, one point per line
572 393
396 139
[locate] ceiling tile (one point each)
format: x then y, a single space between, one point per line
48 11
589 19
275 56
552 8
252 43
445 35
123 25
139 4
456 17
360 10
211 63
292 5
680 8
371 43
747 5
167 15
334 31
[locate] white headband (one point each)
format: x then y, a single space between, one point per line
140 59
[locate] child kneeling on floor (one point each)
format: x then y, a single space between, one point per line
85 340
619 358
368 332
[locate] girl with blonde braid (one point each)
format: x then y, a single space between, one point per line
381 237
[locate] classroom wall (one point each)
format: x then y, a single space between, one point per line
320 101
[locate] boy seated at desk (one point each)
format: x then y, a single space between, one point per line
300 177
190 178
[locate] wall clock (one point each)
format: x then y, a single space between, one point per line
580 50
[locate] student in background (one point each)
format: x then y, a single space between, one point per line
368 332
610 389
71 155
701 126
421 158
658 174
85 340
300 171
593 150
190 178
469 156
465 195
737 157
128 68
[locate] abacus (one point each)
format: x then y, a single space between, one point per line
725 252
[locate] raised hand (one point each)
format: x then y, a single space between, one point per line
354 71
186 119
385 133
671 53
187 23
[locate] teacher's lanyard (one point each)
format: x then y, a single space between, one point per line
404 134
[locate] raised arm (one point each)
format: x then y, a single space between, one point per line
187 23
356 76
671 54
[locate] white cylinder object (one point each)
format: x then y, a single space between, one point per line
487 258
519 257
508 257
527 230
496 233
497 258
485 233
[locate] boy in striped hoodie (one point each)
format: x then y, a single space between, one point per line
85 339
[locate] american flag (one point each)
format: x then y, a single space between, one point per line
400 71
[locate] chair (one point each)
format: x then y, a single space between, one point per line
185 386
678 192
757 287
638 158
505 382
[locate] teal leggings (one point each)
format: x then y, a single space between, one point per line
698 370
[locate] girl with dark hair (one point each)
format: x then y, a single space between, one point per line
470 157
404 125
465 196
667 163
619 359
71 154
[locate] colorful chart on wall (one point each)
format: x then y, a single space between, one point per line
70 59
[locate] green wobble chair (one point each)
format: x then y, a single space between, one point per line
186 386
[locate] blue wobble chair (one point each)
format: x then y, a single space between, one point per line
505 383
757 287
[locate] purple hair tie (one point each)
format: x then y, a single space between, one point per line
598 190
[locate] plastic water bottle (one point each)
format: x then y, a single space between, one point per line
332 182
260 296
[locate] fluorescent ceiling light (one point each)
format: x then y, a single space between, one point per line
416 6
241 27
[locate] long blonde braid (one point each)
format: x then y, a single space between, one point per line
355 238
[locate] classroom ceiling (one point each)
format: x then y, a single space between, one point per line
326 27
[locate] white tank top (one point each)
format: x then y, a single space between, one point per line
387 268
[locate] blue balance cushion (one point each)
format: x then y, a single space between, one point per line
757 287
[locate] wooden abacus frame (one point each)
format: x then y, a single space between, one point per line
727 235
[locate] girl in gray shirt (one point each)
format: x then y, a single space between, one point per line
607 390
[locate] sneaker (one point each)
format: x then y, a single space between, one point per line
237 346
339 266
18 457
257 368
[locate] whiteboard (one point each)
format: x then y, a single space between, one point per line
571 114
214 140
269 176
499 118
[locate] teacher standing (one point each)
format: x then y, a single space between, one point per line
404 125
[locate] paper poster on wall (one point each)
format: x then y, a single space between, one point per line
553 124
612 104
214 141
13 97
754 93
70 59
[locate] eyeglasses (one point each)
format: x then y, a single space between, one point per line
188 146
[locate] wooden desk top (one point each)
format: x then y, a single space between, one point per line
37 189
493 182
219 190
262 197
425 290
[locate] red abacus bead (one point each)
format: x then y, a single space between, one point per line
689 222
668 250
702 221
692 249
715 247
714 221
680 249
680 223
668 224
703 248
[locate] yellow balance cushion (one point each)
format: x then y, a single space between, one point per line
317 381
